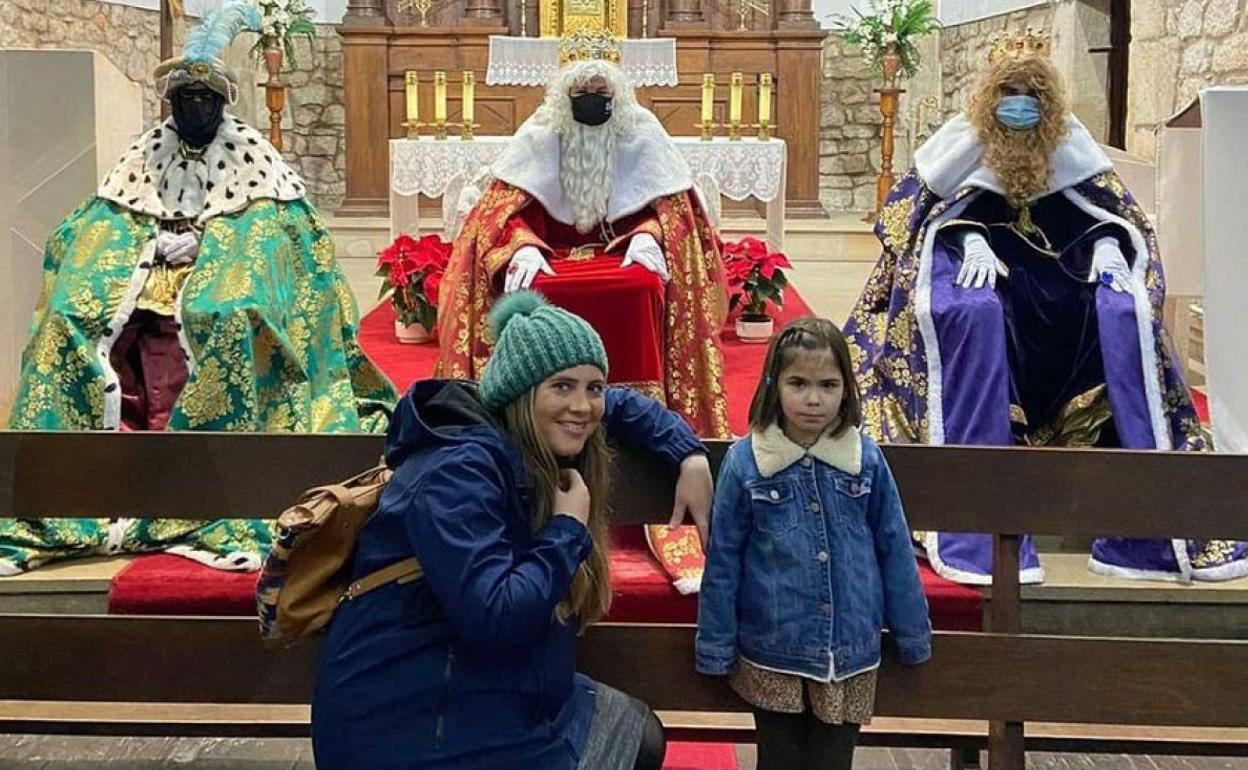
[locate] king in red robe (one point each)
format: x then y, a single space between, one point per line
592 205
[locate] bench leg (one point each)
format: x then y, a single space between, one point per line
963 759
1005 746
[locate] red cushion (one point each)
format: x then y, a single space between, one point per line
161 584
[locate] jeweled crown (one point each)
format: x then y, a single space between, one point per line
1016 45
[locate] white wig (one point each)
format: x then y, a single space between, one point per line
556 108
586 153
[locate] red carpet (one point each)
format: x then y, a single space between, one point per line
404 364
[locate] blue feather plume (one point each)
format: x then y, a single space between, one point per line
218 27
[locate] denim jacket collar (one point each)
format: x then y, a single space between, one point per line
774 451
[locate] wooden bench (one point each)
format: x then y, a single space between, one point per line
100 674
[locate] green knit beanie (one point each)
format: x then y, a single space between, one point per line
533 339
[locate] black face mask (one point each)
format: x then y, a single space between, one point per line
197 114
591 109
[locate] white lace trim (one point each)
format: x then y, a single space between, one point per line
533 61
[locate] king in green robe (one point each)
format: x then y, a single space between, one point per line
196 290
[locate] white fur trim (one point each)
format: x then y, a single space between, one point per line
929 551
1228 571
646 166
774 451
116 539
1143 316
952 158
236 561
104 346
238 167
691 584
1131 573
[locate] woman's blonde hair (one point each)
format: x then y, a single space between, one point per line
1020 159
590 594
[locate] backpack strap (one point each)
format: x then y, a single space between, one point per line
404 571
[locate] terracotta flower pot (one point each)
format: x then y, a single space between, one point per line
754 328
273 61
890 63
411 334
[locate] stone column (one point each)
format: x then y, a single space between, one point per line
365 13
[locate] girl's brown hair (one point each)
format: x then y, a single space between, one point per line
806 335
590 594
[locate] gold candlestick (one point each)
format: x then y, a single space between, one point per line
708 106
468 98
764 107
735 88
411 101
439 105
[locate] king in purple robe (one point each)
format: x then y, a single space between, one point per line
1018 301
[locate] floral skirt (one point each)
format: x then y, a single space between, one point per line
851 700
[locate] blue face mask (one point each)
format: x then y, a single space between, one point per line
1019 112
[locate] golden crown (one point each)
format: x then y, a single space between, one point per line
585 44
1016 45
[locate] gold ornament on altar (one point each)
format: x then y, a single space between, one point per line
1017 45
560 18
584 44
743 9
421 7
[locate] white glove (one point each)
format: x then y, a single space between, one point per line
178 248
980 265
1110 266
644 250
524 266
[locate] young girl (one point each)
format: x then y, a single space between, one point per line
809 558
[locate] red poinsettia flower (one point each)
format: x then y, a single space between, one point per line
754 274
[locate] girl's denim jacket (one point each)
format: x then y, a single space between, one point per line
810 558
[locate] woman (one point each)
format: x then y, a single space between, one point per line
501 493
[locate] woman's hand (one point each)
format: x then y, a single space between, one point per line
572 496
694 494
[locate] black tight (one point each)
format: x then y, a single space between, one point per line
653 745
803 742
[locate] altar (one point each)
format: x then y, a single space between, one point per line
737 170
382 40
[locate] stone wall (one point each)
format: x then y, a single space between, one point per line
1176 49
964 49
129 37
315 120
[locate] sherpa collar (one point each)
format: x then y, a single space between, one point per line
774 451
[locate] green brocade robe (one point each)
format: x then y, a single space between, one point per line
268 326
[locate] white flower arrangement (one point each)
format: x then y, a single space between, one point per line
282 22
891 24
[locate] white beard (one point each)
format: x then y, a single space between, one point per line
585 160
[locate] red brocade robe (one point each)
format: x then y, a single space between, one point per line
661 340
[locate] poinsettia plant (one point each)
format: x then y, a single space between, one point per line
755 275
412 271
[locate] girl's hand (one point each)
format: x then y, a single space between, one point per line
572 496
694 493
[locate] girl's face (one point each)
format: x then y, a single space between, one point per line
811 391
568 407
